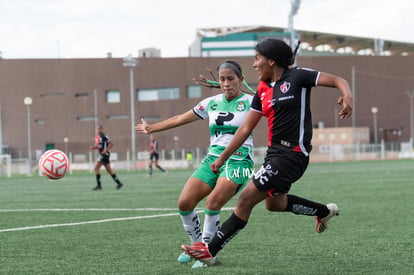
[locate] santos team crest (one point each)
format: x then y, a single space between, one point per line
284 88
241 106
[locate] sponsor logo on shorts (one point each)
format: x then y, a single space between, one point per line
238 172
264 174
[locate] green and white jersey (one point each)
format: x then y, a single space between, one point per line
225 117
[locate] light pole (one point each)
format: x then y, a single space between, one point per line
131 62
411 96
294 7
374 111
66 140
28 101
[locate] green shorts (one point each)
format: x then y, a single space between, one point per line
239 171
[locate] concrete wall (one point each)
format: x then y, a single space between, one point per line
53 84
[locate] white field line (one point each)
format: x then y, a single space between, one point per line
97 209
87 222
94 221
86 209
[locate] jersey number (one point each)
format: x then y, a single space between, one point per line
224 116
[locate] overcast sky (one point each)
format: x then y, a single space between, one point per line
91 28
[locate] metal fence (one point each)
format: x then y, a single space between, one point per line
181 159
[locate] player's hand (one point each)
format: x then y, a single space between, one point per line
346 103
143 127
92 147
215 166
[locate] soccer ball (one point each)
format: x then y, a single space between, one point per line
53 164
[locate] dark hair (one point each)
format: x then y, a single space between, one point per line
278 51
230 64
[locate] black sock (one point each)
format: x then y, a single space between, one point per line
302 206
230 228
159 167
150 170
116 179
98 179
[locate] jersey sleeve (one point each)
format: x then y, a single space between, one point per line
256 103
201 109
308 77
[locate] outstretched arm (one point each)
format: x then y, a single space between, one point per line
329 80
240 136
169 123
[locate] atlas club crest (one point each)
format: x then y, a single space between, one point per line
284 88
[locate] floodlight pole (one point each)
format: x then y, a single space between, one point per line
374 111
411 96
131 62
294 7
28 101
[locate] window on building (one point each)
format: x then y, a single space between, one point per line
193 91
117 117
81 94
113 96
85 118
149 118
158 94
39 121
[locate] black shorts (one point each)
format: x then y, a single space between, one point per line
280 169
104 158
154 156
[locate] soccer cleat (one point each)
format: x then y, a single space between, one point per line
199 251
119 186
198 264
184 258
322 224
98 187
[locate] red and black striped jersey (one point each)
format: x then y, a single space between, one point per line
286 104
102 142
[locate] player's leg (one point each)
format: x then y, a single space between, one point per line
200 184
225 189
150 166
296 205
97 169
158 166
193 192
290 167
233 177
113 175
248 198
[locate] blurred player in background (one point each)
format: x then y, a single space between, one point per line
103 144
154 155
283 96
225 112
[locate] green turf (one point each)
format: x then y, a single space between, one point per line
373 235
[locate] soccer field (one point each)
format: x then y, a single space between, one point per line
63 227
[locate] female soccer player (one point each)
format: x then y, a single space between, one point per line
154 156
225 111
103 144
283 96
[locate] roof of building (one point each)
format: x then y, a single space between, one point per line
324 42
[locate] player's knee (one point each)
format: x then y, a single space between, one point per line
214 204
274 208
185 204
244 201
277 203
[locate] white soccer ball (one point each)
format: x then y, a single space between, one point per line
53 164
